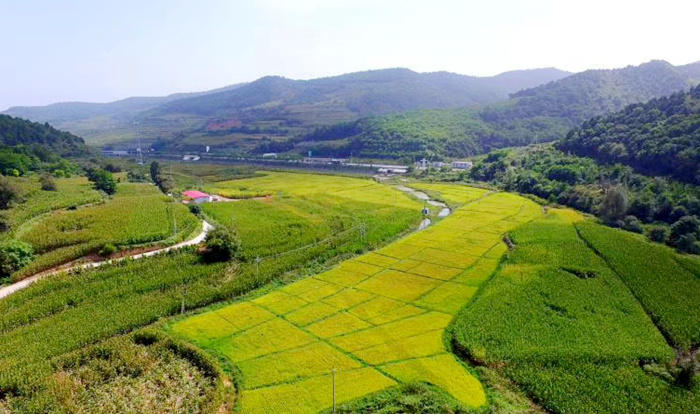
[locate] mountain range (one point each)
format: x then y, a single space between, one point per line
391 113
278 106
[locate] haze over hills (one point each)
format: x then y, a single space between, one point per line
281 106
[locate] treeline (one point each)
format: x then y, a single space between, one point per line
661 137
666 210
26 146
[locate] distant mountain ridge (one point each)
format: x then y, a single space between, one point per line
541 114
278 105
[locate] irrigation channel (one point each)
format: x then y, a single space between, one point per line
206 227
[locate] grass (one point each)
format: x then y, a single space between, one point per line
573 344
385 310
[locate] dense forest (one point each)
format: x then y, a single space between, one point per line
26 145
541 114
661 137
665 209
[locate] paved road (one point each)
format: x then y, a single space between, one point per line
8 290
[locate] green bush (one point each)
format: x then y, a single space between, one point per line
8 193
107 250
657 234
47 182
632 223
221 245
13 256
195 209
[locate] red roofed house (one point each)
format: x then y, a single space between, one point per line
197 197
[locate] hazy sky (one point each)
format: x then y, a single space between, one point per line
103 50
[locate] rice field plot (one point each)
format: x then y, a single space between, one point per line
559 322
300 185
138 214
655 274
378 319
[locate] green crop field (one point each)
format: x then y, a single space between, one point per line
138 214
656 276
560 322
75 191
53 318
378 319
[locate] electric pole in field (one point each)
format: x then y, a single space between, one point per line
257 266
172 180
333 390
139 153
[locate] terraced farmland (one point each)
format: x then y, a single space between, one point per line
378 319
138 214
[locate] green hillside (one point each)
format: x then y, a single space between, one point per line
27 145
661 137
541 114
280 107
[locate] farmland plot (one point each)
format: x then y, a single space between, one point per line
59 315
378 319
559 322
138 214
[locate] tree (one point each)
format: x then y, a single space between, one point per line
13 256
8 193
687 225
104 180
657 234
221 245
614 205
155 172
47 182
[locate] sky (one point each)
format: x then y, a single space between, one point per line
101 51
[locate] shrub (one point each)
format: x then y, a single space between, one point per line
614 204
687 243
104 180
14 255
686 225
47 182
632 223
107 250
195 209
8 193
657 234
221 245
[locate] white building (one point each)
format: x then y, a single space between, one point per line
462 165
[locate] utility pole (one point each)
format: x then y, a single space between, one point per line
139 153
333 390
182 307
257 266
172 179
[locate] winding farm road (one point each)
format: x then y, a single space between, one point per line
15 287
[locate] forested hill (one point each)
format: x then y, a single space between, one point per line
41 140
660 137
359 94
282 107
596 92
541 114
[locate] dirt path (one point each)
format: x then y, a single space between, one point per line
8 290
